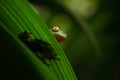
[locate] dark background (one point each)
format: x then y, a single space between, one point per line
93 28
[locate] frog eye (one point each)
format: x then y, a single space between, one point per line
58 34
55 29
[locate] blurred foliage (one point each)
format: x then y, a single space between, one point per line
93 29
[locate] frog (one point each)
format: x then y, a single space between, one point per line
59 35
42 49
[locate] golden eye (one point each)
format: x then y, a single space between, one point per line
55 29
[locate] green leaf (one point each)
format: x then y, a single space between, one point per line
18 62
18 16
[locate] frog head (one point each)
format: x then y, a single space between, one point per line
58 34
